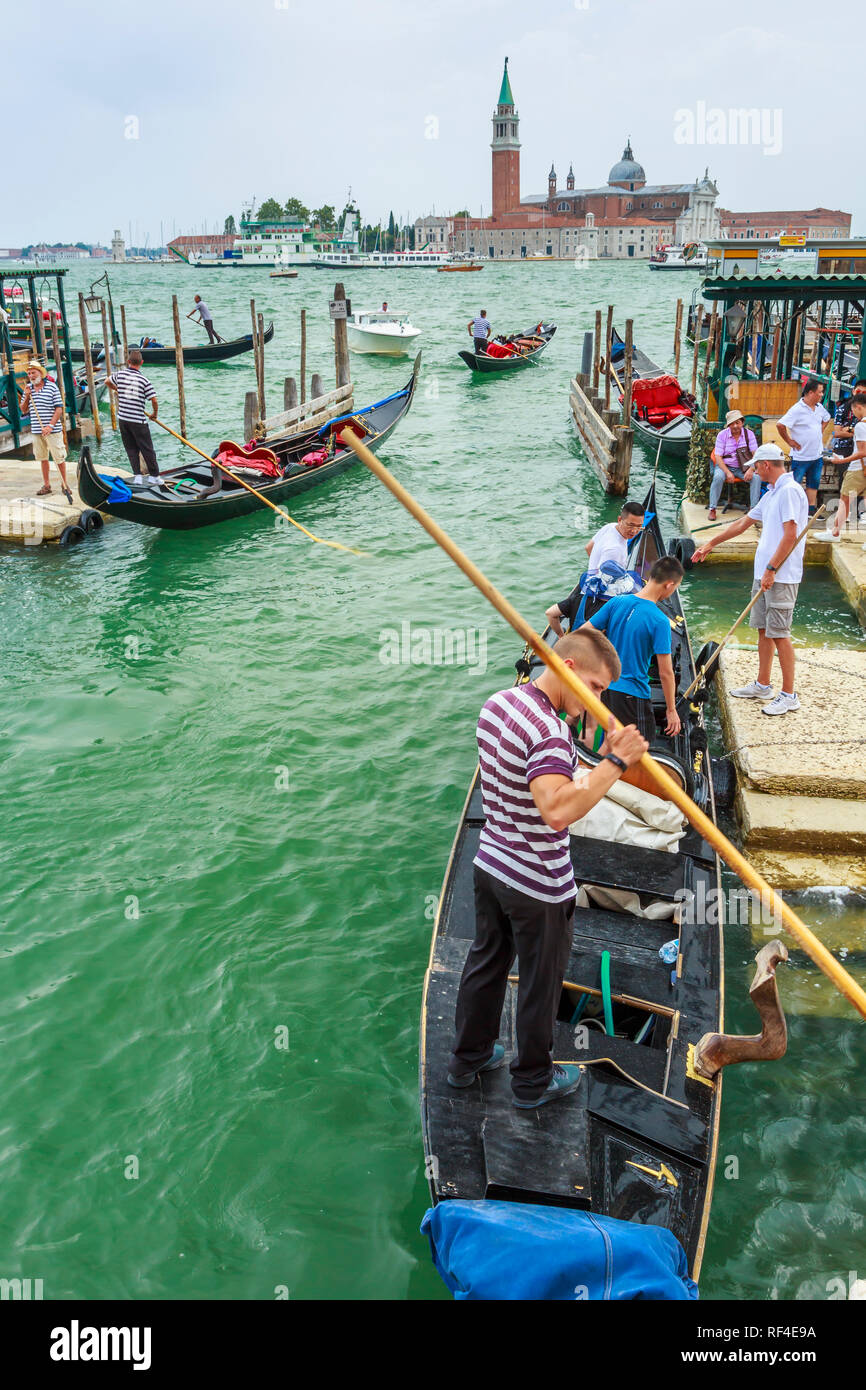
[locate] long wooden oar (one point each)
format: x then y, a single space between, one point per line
745 613
666 785
215 463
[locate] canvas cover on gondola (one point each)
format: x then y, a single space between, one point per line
513 1250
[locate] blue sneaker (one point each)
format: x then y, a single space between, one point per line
493 1063
564 1081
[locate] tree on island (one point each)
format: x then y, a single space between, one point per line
229 229
464 212
270 210
295 208
324 217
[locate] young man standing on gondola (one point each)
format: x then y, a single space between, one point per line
133 390
525 889
205 317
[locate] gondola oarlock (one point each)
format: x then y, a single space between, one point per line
717 1050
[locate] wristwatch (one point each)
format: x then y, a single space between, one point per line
772 568
612 758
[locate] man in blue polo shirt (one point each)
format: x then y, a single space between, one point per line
640 630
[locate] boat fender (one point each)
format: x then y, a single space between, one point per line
724 782
704 655
72 535
91 520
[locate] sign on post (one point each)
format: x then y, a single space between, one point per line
340 308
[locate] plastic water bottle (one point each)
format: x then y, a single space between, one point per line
669 952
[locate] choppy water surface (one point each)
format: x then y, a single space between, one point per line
227 818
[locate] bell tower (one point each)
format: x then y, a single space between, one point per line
506 151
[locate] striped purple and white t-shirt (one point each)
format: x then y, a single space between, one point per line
521 737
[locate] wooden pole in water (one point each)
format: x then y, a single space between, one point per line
316 386
626 394
596 352
665 784
303 356
256 362
607 337
341 344
711 343
178 354
290 393
678 329
55 347
699 319
88 364
123 331
109 352
262 367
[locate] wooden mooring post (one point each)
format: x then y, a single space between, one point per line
88 364
629 370
110 354
261 336
290 393
123 332
678 336
178 354
303 356
316 386
341 342
607 339
596 352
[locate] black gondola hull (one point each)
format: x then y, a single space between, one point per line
638 1140
483 362
205 352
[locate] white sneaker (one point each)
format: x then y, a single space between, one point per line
824 536
755 691
783 704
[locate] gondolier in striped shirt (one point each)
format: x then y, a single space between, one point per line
44 404
525 889
481 329
133 390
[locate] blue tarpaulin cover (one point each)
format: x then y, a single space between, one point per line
514 1250
119 490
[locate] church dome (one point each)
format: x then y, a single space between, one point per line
627 170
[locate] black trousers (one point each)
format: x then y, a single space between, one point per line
136 440
212 335
632 709
507 921
480 344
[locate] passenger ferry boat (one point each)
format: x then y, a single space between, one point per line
282 242
382 260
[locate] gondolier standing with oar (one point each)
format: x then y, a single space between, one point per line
524 881
133 389
480 329
783 512
205 317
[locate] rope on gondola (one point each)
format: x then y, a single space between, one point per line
335 545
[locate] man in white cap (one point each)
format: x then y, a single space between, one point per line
44 404
783 513
731 460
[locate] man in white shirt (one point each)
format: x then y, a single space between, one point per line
801 428
854 481
783 513
610 543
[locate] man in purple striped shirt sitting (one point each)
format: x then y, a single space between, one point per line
524 881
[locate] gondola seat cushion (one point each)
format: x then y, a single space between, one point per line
501 350
493 1250
242 458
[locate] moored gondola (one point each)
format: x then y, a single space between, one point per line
508 353
175 500
166 356
662 411
637 1141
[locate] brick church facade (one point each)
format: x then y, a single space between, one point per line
626 218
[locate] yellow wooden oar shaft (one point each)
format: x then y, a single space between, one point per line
335 545
745 613
668 788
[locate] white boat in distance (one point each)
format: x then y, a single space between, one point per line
381 331
381 260
692 256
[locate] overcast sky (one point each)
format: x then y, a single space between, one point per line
311 97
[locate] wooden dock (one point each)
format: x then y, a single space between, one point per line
606 441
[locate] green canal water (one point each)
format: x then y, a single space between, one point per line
228 813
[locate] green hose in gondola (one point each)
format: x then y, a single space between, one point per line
605 993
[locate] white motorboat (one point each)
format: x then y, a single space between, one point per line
382 331
692 256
